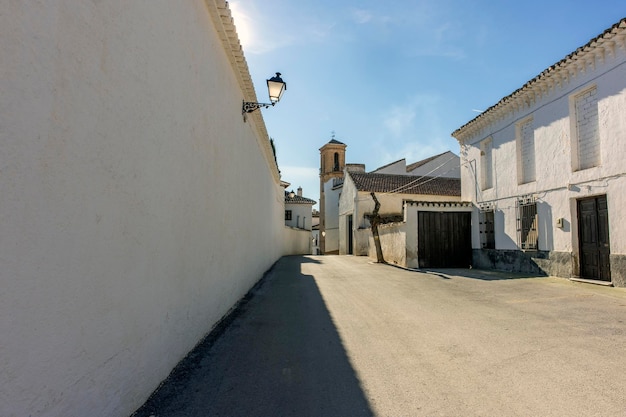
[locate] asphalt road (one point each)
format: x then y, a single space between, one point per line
341 336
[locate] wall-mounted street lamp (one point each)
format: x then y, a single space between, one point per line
276 87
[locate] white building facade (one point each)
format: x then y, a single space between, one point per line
544 169
298 210
392 191
122 241
446 164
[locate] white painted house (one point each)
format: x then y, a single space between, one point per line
392 191
298 210
544 168
342 216
122 242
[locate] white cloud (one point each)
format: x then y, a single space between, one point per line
361 16
413 130
399 119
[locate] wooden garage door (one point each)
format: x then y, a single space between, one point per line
444 239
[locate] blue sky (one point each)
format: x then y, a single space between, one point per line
393 79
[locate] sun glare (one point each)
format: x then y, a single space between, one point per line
242 22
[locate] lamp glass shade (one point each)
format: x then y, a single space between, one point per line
276 87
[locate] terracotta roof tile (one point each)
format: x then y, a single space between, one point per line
403 184
296 199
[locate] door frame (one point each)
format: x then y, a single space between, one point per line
600 224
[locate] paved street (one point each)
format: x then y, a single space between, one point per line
340 336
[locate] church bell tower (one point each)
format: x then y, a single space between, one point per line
332 164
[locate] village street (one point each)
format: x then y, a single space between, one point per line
341 336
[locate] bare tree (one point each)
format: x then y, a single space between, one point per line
375 220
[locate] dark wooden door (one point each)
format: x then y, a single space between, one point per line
444 239
593 235
350 241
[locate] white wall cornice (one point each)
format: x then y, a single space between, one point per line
227 32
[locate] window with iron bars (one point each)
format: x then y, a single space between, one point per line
486 229
527 232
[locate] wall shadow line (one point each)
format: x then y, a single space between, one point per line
480 274
279 355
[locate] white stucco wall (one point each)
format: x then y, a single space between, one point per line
358 203
122 241
347 203
392 242
332 194
557 185
395 168
301 215
297 241
446 165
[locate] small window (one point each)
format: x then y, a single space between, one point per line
336 162
487 235
585 129
527 233
525 151
287 214
486 163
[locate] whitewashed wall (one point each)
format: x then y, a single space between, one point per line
123 163
331 216
392 242
558 186
301 215
348 203
553 154
297 241
395 168
446 165
359 203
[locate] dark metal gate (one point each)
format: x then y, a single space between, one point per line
444 239
593 235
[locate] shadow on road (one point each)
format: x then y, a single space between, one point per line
482 274
280 355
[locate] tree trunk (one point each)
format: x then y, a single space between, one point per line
375 219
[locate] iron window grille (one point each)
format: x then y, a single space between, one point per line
527 231
287 214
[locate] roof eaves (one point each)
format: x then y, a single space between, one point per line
388 165
404 184
524 96
224 24
418 164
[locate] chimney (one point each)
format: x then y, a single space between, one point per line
299 191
